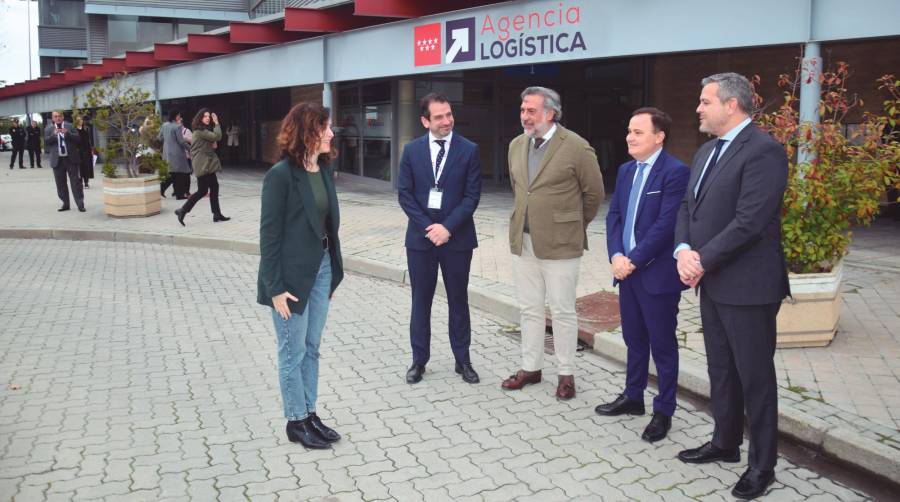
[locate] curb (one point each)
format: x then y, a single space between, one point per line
837 442
840 443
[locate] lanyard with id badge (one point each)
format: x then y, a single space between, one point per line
435 195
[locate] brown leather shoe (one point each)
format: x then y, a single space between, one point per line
565 389
521 379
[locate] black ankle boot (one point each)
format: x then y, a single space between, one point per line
327 433
218 217
301 431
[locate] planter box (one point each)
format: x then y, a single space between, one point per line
131 197
811 319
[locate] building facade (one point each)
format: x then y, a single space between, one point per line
73 32
372 60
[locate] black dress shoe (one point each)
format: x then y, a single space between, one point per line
327 433
467 372
621 406
414 374
657 428
709 453
753 483
82 209
302 431
180 214
64 208
218 218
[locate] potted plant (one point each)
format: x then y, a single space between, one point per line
852 166
129 119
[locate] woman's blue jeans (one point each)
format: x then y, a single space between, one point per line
298 348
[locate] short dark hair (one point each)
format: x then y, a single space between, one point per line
660 119
431 97
173 114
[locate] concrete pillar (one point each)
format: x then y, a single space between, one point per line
810 93
327 96
408 124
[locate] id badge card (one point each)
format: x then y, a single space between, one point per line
434 198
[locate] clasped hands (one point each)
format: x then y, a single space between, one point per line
622 267
690 270
437 234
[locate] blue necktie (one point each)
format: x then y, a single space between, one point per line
709 168
631 212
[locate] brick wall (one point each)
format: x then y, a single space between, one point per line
675 79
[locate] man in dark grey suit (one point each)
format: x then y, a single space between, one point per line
728 243
63 144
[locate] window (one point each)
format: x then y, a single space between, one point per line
127 33
62 13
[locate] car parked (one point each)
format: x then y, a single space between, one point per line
5 142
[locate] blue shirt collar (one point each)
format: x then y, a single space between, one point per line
651 160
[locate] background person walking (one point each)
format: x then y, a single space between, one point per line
206 164
175 149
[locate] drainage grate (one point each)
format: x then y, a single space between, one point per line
514 332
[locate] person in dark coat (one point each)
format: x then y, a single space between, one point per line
300 262
18 144
64 147
729 246
33 135
87 151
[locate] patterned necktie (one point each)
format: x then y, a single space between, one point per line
709 168
440 157
538 142
63 152
631 212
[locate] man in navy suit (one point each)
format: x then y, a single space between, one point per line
439 188
640 228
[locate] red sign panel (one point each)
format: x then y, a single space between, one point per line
427 44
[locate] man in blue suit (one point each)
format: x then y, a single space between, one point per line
640 228
439 188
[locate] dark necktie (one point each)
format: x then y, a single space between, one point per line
440 157
538 142
709 168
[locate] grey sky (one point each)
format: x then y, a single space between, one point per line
14 41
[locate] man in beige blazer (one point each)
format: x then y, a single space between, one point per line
558 189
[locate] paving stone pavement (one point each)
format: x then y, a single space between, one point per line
854 383
139 371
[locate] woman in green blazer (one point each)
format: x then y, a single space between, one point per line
206 164
300 262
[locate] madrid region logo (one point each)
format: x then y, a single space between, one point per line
456 44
